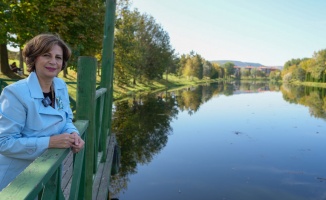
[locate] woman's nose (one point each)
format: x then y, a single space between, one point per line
53 60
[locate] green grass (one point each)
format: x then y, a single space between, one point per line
170 82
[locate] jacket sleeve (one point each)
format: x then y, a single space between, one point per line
12 121
69 126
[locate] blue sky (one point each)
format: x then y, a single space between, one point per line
269 32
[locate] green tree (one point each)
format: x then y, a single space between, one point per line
182 63
299 74
188 68
222 72
306 66
5 24
275 75
208 69
229 69
291 62
159 53
129 59
245 72
198 66
142 47
29 19
216 71
79 23
192 65
319 70
254 72
174 66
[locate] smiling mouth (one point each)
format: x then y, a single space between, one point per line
51 69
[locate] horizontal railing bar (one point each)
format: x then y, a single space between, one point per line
81 125
30 182
100 92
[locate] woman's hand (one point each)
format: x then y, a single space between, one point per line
62 141
78 143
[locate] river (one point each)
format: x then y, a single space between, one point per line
228 141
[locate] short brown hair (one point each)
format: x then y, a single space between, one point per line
41 44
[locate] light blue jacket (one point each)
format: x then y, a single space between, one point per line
26 124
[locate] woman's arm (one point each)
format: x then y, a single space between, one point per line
12 121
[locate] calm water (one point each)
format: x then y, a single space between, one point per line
223 141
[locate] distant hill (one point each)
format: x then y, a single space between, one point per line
243 64
237 63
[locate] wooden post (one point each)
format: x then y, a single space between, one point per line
86 87
107 70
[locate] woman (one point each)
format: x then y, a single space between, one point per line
35 112
15 69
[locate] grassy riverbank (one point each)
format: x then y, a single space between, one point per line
122 91
169 82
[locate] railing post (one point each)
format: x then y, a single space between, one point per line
86 87
0 85
107 70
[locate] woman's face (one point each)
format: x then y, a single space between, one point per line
49 65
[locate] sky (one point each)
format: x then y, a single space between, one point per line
269 32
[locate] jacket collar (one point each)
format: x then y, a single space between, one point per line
35 87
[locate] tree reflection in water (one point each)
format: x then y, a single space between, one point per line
142 123
142 126
312 97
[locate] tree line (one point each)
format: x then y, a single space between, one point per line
306 69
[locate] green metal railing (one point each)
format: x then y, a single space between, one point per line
42 178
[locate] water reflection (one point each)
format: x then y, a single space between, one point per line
142 126
312 97
142 123
191 98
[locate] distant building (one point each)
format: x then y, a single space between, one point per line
265 69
